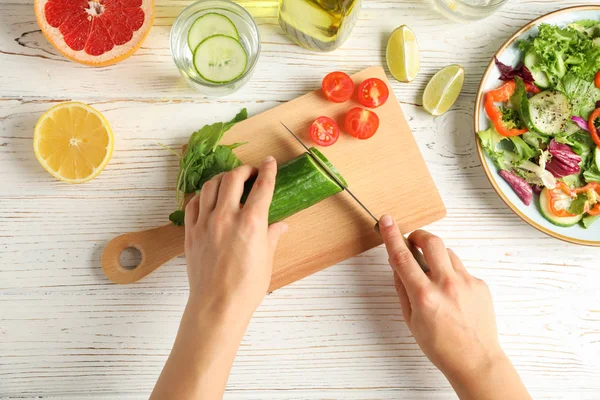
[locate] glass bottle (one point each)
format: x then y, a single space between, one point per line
319 25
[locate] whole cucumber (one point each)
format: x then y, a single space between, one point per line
300 183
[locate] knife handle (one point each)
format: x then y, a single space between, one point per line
418 256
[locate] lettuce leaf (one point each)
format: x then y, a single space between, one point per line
583 95
565 50
506 152
588 220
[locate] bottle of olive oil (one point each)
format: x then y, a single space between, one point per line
320 25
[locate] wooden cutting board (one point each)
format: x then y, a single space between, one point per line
387 173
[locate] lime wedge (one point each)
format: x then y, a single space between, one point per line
443 89
402 54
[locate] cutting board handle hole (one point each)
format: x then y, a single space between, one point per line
130 258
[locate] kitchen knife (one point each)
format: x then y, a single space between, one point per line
413 249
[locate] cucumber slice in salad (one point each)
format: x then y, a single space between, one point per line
532 62
597 157
549 215
208 25
550 112
220 59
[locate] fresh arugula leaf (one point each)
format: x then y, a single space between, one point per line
242 115
235 145
177 217
204 158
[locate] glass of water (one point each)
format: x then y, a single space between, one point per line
468 10
249 38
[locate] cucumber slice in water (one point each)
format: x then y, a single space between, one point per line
220 59
208 25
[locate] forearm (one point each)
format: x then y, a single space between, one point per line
497 380
203 353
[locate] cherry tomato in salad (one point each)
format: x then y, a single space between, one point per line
373 92
338 87
324 131
361 123
597 79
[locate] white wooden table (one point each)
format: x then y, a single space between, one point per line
66 332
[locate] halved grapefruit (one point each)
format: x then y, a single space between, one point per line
95 32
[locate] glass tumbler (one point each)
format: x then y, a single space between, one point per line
183 57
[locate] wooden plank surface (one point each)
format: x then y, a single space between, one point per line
68 333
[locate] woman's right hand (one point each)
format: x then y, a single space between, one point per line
451 316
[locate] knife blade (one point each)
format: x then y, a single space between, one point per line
413 249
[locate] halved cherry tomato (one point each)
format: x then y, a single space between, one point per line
373 92
338 87
597 79
361 123
324 131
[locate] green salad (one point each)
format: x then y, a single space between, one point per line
545 117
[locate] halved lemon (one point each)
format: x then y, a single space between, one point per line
73 142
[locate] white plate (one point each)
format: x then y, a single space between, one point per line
509 54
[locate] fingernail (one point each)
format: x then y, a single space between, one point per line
268 159
386 221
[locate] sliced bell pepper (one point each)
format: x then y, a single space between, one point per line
552 193
592 126
502 95
594 210
592 185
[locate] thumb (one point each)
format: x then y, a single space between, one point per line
275 232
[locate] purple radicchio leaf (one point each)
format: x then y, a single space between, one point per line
519 185
598 104
508 73
564 161
580 123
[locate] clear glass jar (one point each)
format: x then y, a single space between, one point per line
319 25
183 57
468 10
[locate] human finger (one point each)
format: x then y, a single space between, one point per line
435 253
403 297
191 212
232 187
261 195
208 196
400 257
457 263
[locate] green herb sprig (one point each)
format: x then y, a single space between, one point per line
203 159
